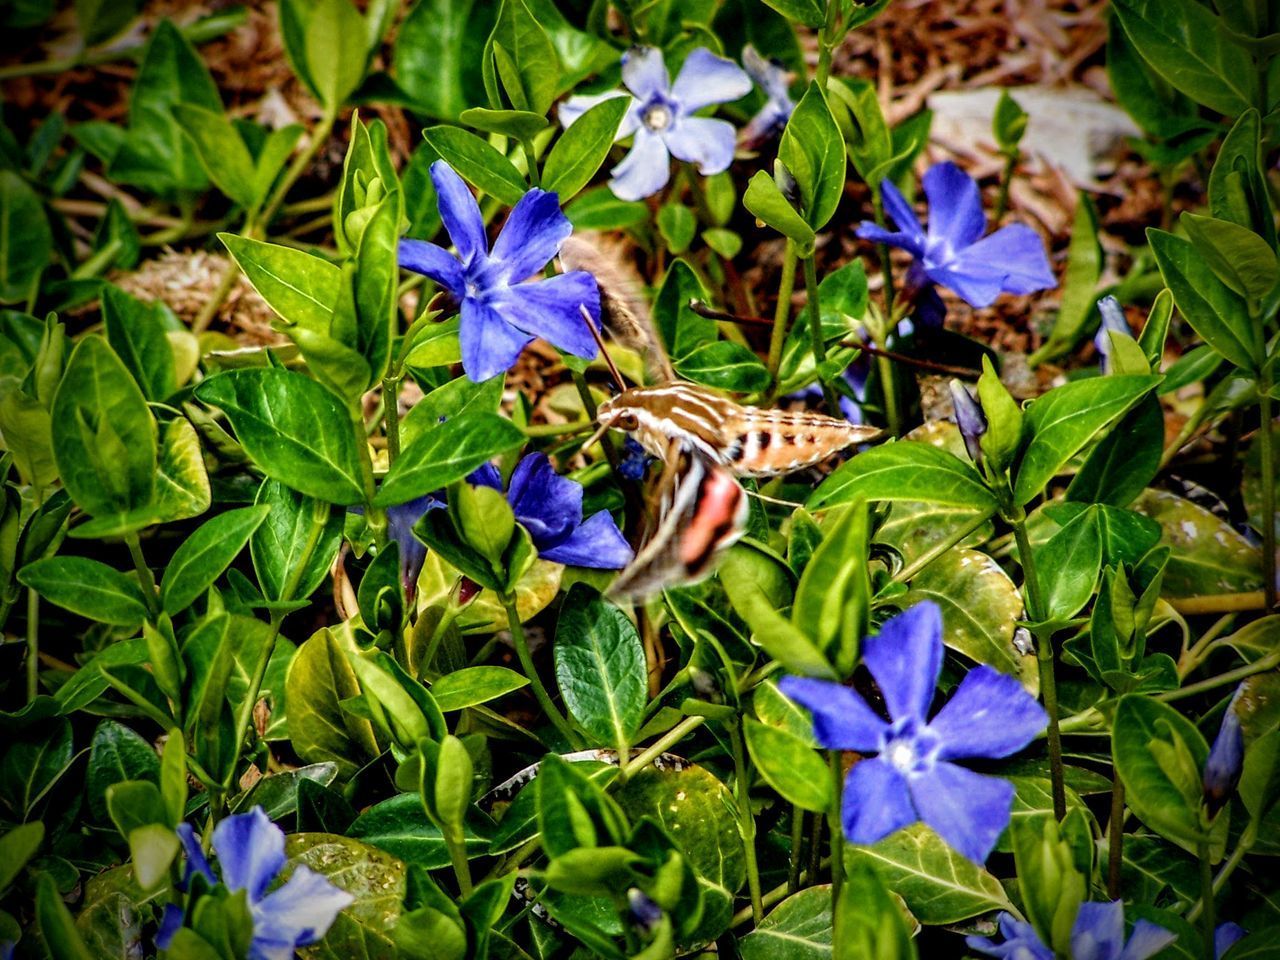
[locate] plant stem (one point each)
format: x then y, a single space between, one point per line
815 845
244 716
531 158
781 313
1006 179
659 747
319 137
1220 603
814 310
779 893
33 644
531 671
391 410
1115 838
837 832
457 844
889 390
797 841
1207 907
1262 665
216 299
1267 441
746 822
145 578
937 550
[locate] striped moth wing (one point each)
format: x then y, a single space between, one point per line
702 511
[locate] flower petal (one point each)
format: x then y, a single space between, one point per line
170 923
977 285
876 803
968 810
196 860
1149 938
644 72
1013 257
904 239
300 912
841 718
644 170
1224 938
702 141
435 262
705 79
1021 942
990 715
955 205
573 108
895 204
1098 933
459 212
552 309
547 504
532 235
490 345
597 543
905 657
250 851
485 475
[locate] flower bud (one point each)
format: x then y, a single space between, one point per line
970 418
645 914
1113 321
1226 757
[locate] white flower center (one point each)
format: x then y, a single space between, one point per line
901 755
657 117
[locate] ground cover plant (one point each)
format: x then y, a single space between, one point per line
515 478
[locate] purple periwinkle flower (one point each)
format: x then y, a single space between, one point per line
910 774
953 252
413 552
250 853
1098 934
635 462
969 418
774 81
549 506
1226 936
1113 321
663 120
1226 759
501 314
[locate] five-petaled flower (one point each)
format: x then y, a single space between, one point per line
1097 934
549 506
774 82
910 774
501 314
953 252
663 120
250 852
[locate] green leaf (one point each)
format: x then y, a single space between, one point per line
1074 555
1125 460
300 287
600 667
202 557
789 765
55 924
521 55
104 437
136 332
813 151
725 365
905 470
152 849
25 239
319 680
833 597
447 453
1008 123
599 209
1160 755
98 20
449 402
222 152
799 928
677 225
1237 190
1215 313
938 884
116 754
981 608
1208 555
766 202
436 57
478 162
1184 42
581 149
17 847
32 765
471 686
1237 256
294 548
88 588
375 879
1079 286
808 12
294 428
871 921
336 45
1066 418
399 826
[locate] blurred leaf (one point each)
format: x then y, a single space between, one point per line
789 765
808 12
100 20
55 924
32 764
599 209
676 223
337 51
1209 556
471 686
25 239
1079 286
1237 190
770 207
222 152
437 54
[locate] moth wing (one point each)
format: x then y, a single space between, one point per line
702 511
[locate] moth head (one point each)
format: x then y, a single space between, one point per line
618 413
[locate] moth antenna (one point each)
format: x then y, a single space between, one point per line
768 499
595 332
596 437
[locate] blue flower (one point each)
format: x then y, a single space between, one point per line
1113 321
635 462
413 552
250 852
910 775
953 252
1098 934
1226 937
1226 759
500 313
775 82
549 506
662 117
969 418
6 950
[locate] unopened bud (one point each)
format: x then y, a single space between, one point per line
645 914
1113 321
970 418
1226 757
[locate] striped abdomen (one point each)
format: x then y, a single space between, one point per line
765 443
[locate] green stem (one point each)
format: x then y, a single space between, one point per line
1115 838
33 644
319 137
244 716
219 296
780 892
837 832
1208 912
797 841
1262 665
659 747
457 844
531 671
746 822
889 390
826 42
933 553
815 846
391 410
145 578
814 310
531 158
1006 179
375 517
782 312
1267 442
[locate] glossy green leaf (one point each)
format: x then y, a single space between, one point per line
1125 460
870 920
1237 256
766 202
799 928
905 471
319 680
222 151
87 587
436 57
813 151
599 209
478 162
833 597
1209 556
1237 191
399 826
582 148
295 430
521 56
471 686
789 765
336 47
300 287
1073 560
116 753
136 332
202 557
447 453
